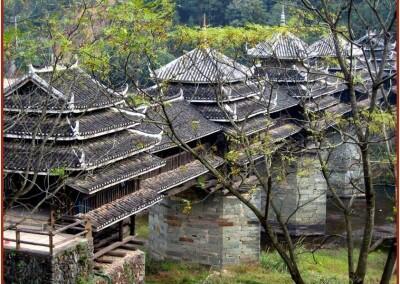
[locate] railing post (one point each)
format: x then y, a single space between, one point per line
88 228
51 241
51 228
17 238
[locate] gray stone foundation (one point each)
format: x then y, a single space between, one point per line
70 265
126 270
299 194
218 230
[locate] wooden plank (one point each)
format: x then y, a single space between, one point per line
116 253
128 247
33 232
70 238
67 227
30 243
112 247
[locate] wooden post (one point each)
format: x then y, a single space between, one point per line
51 241
17 238
51 228
132 225
120 231
88 228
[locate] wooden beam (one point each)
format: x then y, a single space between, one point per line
128 247
112 247
116 253
103 260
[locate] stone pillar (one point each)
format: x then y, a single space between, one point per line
299 194
218 230
345 168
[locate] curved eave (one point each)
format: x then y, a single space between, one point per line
128 177
229 99
274 56
84 168
240 119
178 171
80 137
160 149
126 215
223 80
65 111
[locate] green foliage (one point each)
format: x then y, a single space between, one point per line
272 261
331 267
379 120
187 207
232 156
58 172
201 181
137 100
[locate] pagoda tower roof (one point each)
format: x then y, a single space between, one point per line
325 48
63 90
203 66
282 46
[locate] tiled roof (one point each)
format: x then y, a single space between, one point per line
283 131
248 107
280 46
249 126
118 172
122 208
73 127
329 117
203 65
178 176
85 155
325 48
67 90
210 93
149 194
186 121
320 103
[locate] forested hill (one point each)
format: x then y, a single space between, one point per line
229 12
188 12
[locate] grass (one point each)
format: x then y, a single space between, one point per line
325 267
141 226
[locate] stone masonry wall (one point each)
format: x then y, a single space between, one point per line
217 231
67 266
300 197
127 270
345 167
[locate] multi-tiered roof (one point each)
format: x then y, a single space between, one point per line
65 121
285 60
221 89
373 45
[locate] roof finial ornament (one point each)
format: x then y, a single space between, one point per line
204 21
204 42
283 18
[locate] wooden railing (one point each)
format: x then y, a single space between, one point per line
82 225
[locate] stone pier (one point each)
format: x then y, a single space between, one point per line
299 194
217 230
345 168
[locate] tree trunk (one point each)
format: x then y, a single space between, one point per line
389 266
369 218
